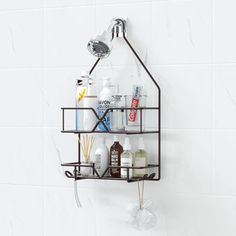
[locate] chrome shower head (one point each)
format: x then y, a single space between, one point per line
101 46
98 48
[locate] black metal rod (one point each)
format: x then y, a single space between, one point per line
63 119
159 135
79 151
95 64
141 62
141 120
159 101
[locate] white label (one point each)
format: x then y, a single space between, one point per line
126 162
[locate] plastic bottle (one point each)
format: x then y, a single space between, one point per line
101 156
104 103
140 159
89 101
126 159
115 152
79 94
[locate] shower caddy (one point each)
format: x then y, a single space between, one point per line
77 165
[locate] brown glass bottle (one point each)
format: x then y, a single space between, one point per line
115 152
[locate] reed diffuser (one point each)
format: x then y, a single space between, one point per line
86 143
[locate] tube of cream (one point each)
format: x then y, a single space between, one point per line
134 102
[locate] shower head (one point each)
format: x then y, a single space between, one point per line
101 46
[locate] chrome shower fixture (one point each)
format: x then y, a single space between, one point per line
101 45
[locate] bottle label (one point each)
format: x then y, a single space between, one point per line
133 113
126 162
115 161
140 162
98 162
103 105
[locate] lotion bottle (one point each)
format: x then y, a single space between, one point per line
126 159
140 159
104 103
101 156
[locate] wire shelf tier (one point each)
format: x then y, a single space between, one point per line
105 175
138 130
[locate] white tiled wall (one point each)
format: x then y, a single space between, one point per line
189 46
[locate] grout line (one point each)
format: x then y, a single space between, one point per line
213 106
115 65
36 185
19 10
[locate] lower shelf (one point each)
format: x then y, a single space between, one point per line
76 175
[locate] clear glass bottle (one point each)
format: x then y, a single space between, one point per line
140 159
126 159
117 115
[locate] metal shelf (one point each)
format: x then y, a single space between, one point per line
105 176
139 130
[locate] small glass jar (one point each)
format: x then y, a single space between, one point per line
86 168
117 115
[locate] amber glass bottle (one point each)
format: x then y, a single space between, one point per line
115 152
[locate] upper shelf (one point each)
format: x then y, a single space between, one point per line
139 127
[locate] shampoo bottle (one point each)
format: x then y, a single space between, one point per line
126 159
89 101
101 156
104 103
140 159
80 91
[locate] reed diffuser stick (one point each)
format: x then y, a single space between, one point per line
87 142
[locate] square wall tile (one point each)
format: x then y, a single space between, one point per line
224 163
63 217
21 156
224 37
138 31
67 32
67 3
186 96
181 32
198 214
21 210
21 98
21 42
224 96
20 5
187 161
58 148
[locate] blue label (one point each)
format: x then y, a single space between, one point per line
106 120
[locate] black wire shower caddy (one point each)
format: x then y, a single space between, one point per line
155 176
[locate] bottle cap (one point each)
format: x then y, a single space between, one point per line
106 81
116 138
141 143
79 81
127 145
